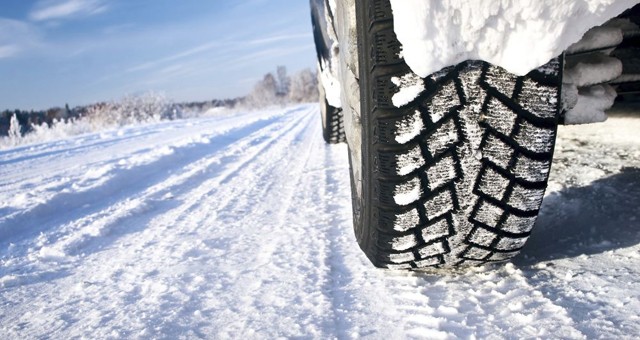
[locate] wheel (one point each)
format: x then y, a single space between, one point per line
332 119
455 176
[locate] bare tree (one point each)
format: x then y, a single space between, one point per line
284 82
264 92
304 87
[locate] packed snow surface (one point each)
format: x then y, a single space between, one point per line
518 35
239 227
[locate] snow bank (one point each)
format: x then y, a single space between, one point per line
597 37
591 104
591 69
517 35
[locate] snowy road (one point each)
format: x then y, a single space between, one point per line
240 227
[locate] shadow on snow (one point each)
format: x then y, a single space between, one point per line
587 220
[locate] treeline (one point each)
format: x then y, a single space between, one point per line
280 88
129 109
273 89
203 106
29 119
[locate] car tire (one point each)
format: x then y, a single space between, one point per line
456 176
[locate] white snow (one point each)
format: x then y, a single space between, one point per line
409 87
583 99
239 226
409 161
407 193
592 69
597 38
409 127
627 78
330 84
591 105
517 35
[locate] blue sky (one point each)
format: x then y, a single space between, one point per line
54 52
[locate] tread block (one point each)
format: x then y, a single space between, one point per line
403 266
443 138
433 249
403 242
436 230
429 262
407 162
502 256
508 243
535 139
383 91
518 225
531 170
407 192
482 237
493 184
476 253
406 220
526 199
400 130
497 152
550 70
439 76
538 99
401 257
442 172
499 117
380 10
488 214
500 80
439 204
442 101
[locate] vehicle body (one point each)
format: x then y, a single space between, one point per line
450 114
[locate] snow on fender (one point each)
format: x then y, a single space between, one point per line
518 35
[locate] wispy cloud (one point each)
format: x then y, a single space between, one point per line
279 38
60 9
184 54
8 50
224 45
15 36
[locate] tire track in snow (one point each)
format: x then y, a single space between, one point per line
125 183
73 179
135 206
484 302
185 190
161 239
264 250
244 278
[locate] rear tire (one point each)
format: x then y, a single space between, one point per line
456 176
332 119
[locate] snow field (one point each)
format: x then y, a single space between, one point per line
240 227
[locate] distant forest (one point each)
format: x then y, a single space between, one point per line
272 89
29 119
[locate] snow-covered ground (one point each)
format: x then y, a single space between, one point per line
240 227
